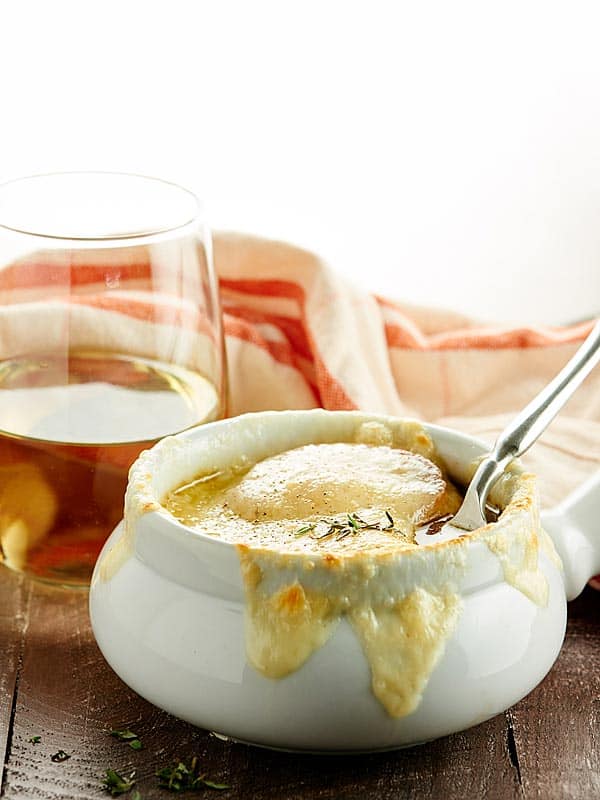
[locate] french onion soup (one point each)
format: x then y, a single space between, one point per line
317 528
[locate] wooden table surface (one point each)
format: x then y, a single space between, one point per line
55 684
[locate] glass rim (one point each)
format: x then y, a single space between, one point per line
191 218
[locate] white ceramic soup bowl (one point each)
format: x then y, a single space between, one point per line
167 606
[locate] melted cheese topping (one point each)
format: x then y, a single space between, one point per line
518 547
403 643
284 629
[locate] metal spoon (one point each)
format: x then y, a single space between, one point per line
516 439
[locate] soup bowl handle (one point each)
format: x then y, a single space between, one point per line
575 529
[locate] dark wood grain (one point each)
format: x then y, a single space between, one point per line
55 684
557 727
13 604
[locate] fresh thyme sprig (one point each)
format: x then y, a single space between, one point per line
306 529
342 528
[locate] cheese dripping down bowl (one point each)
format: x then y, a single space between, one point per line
343 635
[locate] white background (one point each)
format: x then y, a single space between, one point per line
444 153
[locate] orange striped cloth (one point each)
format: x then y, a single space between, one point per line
299 335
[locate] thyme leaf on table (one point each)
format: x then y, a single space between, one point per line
132 739
117 784
180 778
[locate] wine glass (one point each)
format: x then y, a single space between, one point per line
110 339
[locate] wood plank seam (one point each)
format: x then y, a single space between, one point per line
13 709
513 753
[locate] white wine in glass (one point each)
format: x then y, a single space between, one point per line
110 338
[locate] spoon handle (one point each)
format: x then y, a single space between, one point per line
527 426
525 429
